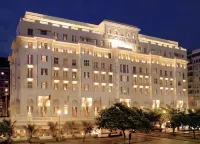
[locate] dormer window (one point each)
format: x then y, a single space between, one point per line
133 36
122 34
128 35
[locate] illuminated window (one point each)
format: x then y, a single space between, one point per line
102 43
44 71
86 87
96 111
73 75
103 77
30 59
43 85
74 87
55 86
44 58
65 74
30 72
30 84
95 88
110 89
64 37
30 45
86 75
74 111
65 109
55 35
55 73
95 76
64 86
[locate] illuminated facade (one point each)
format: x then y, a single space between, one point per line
81 68
193 79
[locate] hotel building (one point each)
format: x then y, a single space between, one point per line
194 79
81 68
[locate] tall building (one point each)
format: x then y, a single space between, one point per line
194 79
4 87
81 68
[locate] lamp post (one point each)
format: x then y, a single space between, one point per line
59 112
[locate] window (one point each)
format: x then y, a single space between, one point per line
110 89
55 86
170 83
116 32
73 62
120 67
170 73
86 75
44 58
110 68
109 31
65 62
141 90
96 77
30 72
165 73
56 60
160 72
55 35
103 88
109 55
155 81
146 70
43 85
102 65
110 78
155 70
134 70
73 75
74 111
179 83
44 71
95 64
124 68
43 32
65 74
102 43
56 72
103 77
30 32
165 82
30 84
64 37
73 38
44 45
64 86
95 42
30 45
86 63
65 109
140 70
74 87
95 88
86 87
30 59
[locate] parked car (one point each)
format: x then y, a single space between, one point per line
157 129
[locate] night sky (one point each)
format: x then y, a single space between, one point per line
177 20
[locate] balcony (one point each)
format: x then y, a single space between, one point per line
56 65
56 77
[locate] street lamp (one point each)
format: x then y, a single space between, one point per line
59 113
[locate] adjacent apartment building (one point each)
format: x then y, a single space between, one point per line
4 87
81 68
194 79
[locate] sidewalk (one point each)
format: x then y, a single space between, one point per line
185 137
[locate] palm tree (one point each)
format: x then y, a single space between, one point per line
7 129
87 128
32 130
53 127
69 126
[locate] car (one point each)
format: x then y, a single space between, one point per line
157 129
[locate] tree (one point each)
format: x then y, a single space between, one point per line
192 119
153 116
87 128
175 118
119 117
70 126
31 130
53 128
7 129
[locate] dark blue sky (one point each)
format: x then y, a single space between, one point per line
177 20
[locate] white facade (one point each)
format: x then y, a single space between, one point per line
81 68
